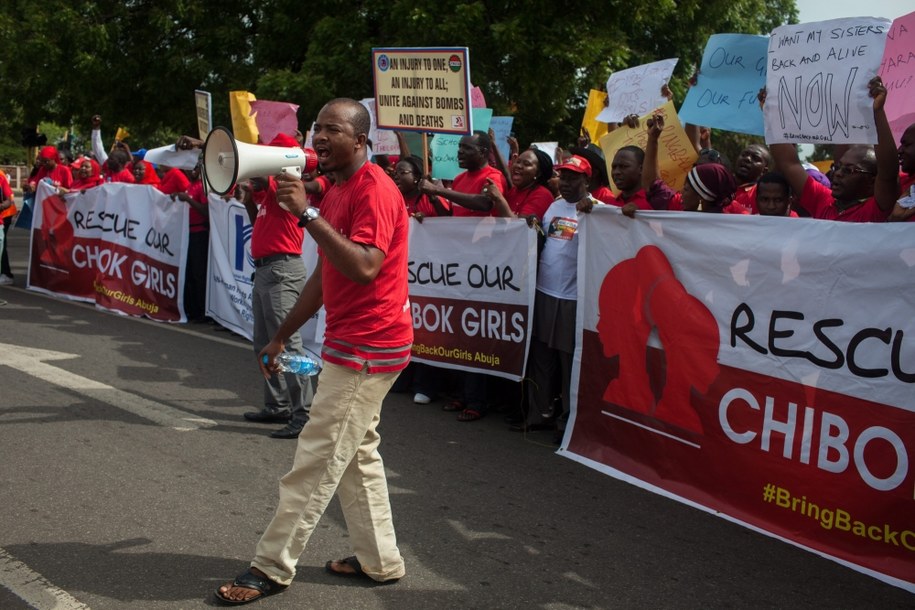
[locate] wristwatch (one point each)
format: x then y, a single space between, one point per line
310 214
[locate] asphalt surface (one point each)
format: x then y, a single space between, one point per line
129 480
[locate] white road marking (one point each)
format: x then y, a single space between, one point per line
31 362
33 588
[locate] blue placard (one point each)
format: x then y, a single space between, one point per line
732 73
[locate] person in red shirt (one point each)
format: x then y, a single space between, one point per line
466 192
626 171
50 168
7 211
198 253
279 275
469 198
865 182
144 172
408 173
88 174
361 233
752 163
528 196
773 196
904 210
115 168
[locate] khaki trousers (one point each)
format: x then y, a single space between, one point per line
337 451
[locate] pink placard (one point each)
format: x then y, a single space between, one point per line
898 73
273 118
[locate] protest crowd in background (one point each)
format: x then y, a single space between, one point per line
863 183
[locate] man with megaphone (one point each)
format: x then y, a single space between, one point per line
361 280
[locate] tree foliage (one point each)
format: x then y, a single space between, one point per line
138 62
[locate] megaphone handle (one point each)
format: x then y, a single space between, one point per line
293 170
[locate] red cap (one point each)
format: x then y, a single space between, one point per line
576 164
49 152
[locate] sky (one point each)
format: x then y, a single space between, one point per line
815 10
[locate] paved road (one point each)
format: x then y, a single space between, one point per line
130 481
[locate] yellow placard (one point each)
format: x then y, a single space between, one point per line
676 154
426 90
597 100
122 134
243 126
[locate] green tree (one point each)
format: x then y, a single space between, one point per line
137 62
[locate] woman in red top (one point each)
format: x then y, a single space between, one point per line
144 172
528 195
50 167
88 174
407 174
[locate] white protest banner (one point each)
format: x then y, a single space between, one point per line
172 157
550 148
898 72
121 246
423 89
230 283
636 90
816 81
767 379
472 285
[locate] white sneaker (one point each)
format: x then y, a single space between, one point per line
421 399
5 280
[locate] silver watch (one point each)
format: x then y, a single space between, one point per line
308 215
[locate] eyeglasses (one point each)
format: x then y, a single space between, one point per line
838 168
711 154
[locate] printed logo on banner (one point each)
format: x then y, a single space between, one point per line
239 245
647 287
383 62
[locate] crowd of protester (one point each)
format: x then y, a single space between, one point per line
865 184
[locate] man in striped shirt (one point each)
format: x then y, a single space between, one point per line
361 280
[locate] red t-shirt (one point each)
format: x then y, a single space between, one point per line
60 176
368 209
174 181
196 221
605 195
422 204
472 182
639 198
819 202
533 200
276 231
125 175
744 199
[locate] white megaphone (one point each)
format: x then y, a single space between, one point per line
226 161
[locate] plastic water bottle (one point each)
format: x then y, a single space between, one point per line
296 363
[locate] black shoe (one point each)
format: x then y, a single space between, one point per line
291 430
532 427
268 416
